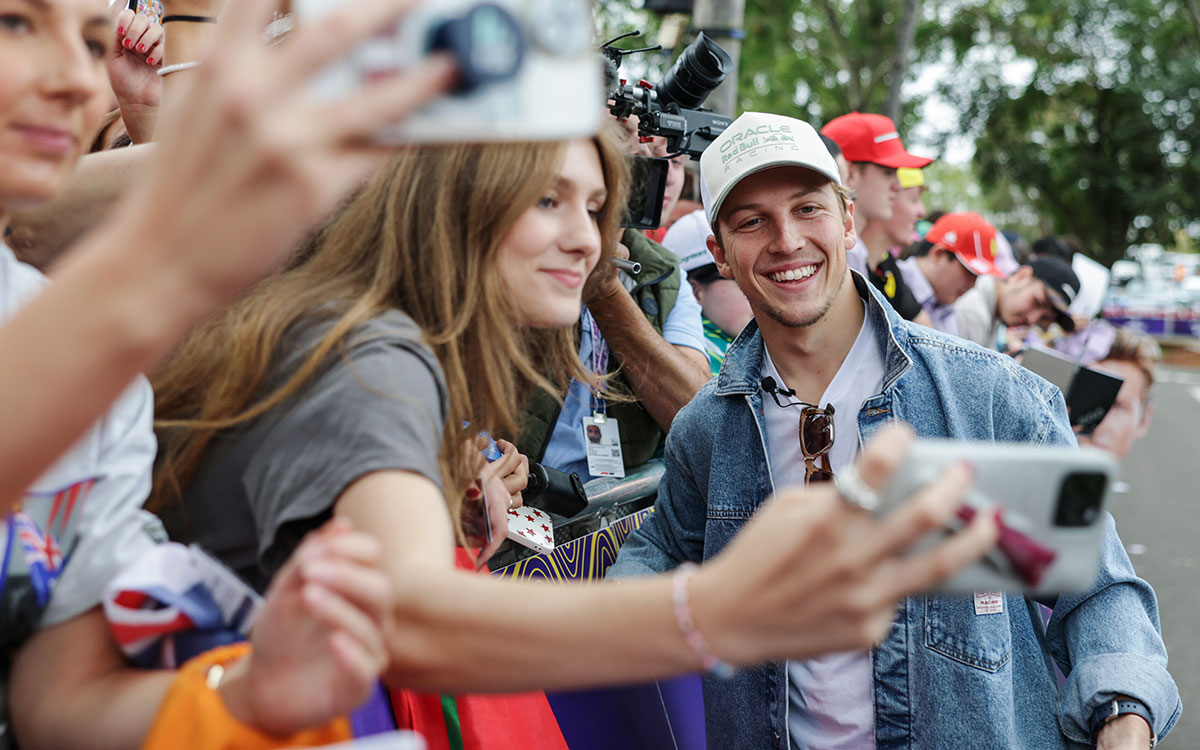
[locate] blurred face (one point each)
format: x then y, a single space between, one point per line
675 174
784 242
724 304
875 188
907 209
550 250
1025 301
52 92
947 275
1128 419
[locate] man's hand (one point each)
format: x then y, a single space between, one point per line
604 282
318 642
1125 732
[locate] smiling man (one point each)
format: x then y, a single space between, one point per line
826 363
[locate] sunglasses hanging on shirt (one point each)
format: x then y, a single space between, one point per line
815 433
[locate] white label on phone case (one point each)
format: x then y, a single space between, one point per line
989 602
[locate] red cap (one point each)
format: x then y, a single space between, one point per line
971 238
871 138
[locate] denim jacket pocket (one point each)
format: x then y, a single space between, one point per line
954 630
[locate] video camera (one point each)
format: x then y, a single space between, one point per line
670 109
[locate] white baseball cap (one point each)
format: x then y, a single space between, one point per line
754 142
688 239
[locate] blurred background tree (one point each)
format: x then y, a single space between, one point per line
1070 116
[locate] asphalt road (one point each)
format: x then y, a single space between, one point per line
1159 521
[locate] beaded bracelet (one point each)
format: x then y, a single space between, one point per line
687 623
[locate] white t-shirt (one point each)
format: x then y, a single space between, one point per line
918 283
81 522
831 706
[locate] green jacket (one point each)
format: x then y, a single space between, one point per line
656 290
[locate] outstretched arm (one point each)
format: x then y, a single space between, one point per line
808 575
317 650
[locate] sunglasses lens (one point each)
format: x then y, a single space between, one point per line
820 475
816 433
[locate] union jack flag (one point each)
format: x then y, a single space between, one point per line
43 555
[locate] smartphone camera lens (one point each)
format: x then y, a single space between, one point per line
1079 499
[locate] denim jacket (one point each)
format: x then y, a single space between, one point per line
943 677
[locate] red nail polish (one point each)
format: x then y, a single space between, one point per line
128 44
149 60
120 30
472 493
141 48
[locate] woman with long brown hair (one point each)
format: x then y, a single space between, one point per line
351 383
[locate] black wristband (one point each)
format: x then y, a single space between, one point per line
1108 711
189 19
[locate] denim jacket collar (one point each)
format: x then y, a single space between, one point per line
741 370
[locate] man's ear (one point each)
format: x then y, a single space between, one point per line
851 237
718 254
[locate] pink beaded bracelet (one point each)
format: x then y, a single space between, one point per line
687 623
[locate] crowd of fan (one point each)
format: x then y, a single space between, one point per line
331 331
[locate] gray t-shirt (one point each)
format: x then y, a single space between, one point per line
379 405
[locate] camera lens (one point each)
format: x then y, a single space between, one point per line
699 70
1079 499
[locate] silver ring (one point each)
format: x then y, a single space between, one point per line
510 502
854 490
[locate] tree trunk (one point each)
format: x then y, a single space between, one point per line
904 41
722 14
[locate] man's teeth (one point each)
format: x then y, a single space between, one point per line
793 274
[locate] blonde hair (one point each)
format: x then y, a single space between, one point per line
1139 350
421 237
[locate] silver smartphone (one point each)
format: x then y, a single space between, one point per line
1052 501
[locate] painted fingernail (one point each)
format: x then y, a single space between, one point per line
120 30
149 60
128 44
141 48
472 493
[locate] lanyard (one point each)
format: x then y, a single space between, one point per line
599 366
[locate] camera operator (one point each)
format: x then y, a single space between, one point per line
650 328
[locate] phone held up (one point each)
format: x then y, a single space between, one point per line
527 68
1051 500
151 8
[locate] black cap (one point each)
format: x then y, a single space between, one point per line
1062 286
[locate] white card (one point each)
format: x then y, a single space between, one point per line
989 602
603 443
532 528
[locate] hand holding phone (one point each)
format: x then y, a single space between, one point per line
1051 501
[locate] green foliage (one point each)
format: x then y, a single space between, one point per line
1083 112
1102 135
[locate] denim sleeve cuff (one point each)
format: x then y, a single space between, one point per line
1102 677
